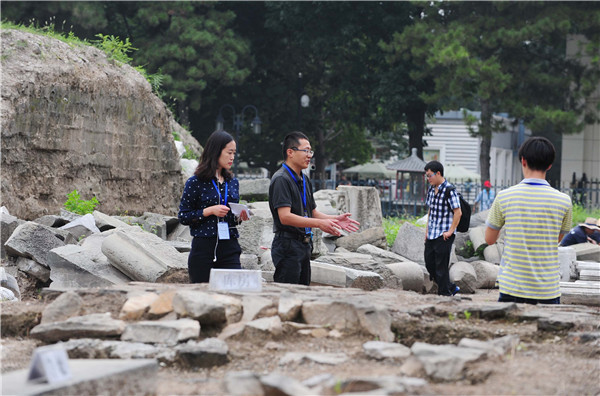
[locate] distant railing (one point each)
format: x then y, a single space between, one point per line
408 199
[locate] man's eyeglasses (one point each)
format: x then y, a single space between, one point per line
429 176
309 152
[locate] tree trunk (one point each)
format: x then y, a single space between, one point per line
320 159
485 131
415 120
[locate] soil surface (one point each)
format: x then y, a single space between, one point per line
543 364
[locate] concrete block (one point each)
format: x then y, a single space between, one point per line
91 377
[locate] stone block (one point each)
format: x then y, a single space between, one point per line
477 236
93 325
410 243
464 276
254 189
32 268
145 257
492 254
8 224
168 332
74 266
105 222
587 252
32 240
258 231
81 227
486 273
410 273
91 377
374 236
364 204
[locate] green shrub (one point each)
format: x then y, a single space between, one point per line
77 205
580 214
189 154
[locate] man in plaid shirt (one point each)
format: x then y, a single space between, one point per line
442 220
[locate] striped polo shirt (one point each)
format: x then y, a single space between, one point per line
533 215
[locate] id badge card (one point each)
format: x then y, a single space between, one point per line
223 230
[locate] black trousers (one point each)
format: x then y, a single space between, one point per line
437 261
291 259
200 261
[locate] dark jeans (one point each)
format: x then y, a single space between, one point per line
437 260
508 298
200 261
291 259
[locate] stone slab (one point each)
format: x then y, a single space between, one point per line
91 377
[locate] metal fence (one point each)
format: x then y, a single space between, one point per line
408 198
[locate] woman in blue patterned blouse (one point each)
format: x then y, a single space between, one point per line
204 208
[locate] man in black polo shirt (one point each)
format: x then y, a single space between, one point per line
294 213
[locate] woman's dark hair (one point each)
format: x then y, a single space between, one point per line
435 167
292 140
209 160
538 152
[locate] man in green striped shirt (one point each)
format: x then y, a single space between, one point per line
535 217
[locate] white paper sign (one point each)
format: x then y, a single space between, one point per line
49 364
235 280
237 209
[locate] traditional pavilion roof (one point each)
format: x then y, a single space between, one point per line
410 164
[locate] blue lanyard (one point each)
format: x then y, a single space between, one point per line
303 184
221 201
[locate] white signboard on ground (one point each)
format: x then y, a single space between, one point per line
235 280
49 364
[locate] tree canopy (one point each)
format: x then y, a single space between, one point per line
373 70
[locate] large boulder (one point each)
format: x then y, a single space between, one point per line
410 242
81 121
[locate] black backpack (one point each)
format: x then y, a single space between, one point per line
465 219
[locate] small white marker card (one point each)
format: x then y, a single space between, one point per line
49 364
235 280
223 230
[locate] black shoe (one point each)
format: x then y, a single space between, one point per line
456 290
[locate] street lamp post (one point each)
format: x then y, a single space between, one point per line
303 101
238 122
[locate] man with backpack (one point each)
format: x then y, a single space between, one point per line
442 220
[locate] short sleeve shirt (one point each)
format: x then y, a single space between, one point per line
285 192
440 216
533 215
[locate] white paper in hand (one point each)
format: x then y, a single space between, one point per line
237 209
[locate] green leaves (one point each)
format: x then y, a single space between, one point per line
76 204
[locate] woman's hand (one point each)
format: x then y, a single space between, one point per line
216 210
244 215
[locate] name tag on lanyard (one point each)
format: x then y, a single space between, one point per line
222 226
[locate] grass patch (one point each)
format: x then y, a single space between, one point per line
580 214
391 226
116 49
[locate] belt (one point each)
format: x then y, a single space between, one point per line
304 238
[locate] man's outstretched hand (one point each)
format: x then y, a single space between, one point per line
344 222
